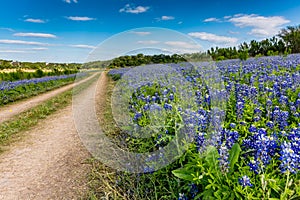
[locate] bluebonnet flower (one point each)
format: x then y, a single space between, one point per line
193 190
294 138
168 106
240 109
284 115
270 124
171 97
252 129
245 181
10 85
243 123
254 166
276 114
199 140
146 107
154 98
293 109
269 103
155 107
165 92
256 119
283 100
289 159
253 93
207 100
229 137
262 147
224 158
232 125
137 116
182 196
173 88
297 103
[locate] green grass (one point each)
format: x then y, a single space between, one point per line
12 130
101 178
26 91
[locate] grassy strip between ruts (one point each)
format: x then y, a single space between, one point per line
12 130
103 179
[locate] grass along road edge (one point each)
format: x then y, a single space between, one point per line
11 130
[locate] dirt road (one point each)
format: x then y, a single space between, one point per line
49 163
11 110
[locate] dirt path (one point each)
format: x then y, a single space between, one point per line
50 163
11 110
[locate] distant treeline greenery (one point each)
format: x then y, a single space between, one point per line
20 75
140 59
9 64
286 42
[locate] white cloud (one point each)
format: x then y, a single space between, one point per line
148 42
171 51
21 42
212 19
40 48
214 38
70 1
7 29
233 32
76 18
227 17
261 25
180 22
39 35
142 33
167 18
134 10
181 44
23 50
83 46
16 51
39 21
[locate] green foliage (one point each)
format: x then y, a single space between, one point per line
9 64
234 156
20 74
140 59
243 55
116 77
25 91
287 43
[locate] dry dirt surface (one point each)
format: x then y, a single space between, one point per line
49 163
11 110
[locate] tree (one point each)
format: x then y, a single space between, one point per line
291 37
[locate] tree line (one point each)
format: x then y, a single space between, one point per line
140 59
287 41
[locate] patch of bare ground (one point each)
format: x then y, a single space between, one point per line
49 163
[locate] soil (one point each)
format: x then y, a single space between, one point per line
11 110
50 162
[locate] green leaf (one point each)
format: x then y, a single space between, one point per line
183 173
212 156
234 156
208 194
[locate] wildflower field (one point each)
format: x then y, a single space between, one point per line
11 91
215 130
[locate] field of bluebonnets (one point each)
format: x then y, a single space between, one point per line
11 91
247 148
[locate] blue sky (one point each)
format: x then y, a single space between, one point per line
69 30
